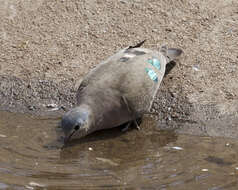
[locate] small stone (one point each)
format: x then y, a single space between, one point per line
169 118
154 30
184 19
51 105
36 184
174 95
168 30
63 108
123 1
204 170
177 148
31 108
195 68
3 136
90 148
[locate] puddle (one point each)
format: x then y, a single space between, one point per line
32 157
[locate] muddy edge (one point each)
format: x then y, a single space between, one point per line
46 49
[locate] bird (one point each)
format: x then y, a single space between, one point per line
119 90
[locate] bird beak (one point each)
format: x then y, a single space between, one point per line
67 138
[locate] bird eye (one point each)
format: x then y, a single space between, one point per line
76 127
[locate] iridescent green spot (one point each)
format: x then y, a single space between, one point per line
152 74
155 62
150 61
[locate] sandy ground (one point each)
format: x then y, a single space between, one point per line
46 47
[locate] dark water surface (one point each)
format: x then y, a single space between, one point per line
32 157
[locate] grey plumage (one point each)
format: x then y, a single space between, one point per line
118 90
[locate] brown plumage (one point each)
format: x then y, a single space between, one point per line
118 90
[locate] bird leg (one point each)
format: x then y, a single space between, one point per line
132 114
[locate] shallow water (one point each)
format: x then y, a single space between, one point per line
32 156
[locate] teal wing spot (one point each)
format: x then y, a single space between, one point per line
152 74
155 62
150 61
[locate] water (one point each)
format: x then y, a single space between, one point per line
32 156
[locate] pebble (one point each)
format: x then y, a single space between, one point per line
177 148
51 105
227 144
195 68
169 118
36 184
31 108
3 136
123 1
204 170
